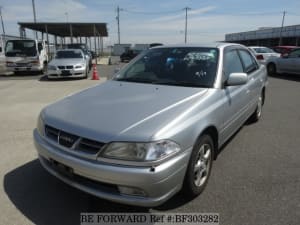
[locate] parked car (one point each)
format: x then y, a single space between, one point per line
287 63
85 50
156 127
263 54
283 49
68 63
129 55
155 44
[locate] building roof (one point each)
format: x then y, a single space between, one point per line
68 29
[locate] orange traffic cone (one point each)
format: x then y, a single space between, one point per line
95 73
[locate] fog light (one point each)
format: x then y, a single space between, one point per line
131 191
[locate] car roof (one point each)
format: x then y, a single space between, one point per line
70 49
285 46
257 47
203 45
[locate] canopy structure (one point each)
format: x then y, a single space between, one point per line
74 31
68 29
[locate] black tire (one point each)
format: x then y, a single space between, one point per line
258 111
191 186
86 73
271 69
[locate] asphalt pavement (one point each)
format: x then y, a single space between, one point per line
255 179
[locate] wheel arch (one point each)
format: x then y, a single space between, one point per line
212 131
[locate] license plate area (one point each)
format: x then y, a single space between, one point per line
65 73
61 168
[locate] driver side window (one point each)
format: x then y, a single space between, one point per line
232 64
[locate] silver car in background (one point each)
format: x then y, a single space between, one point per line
156 128
263 54
287 63
68 63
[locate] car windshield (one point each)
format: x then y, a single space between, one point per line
263 50
183 66
68 54
20 48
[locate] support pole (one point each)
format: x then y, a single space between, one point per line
71 33
48 44
95 42
185 33
282 24
3 30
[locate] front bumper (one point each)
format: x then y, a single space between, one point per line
66 73
103 180
34 68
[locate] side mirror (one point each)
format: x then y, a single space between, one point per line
235 79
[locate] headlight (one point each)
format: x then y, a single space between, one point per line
50 67
79 66
40 126
140 151
8 63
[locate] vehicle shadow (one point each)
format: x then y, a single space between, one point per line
21 76
44 199
290 77
45 78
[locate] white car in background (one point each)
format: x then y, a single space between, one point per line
263 54
68 63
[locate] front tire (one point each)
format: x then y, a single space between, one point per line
272 69
199 166
258 111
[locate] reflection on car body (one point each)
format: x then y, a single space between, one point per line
156 127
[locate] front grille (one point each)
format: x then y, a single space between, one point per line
89 146
67 139
22 64
69 67
61 67
52 133
72 141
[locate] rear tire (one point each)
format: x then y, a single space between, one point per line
271 69
199 166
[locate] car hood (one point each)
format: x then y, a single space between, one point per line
59 62
121 111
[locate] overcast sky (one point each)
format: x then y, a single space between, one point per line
146 21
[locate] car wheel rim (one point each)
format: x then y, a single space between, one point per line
202 165
259 107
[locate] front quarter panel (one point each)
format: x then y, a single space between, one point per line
187 126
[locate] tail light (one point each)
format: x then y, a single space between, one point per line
260 57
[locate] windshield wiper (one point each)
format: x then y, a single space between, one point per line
184 84
136 79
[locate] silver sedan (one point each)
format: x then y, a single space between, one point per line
68 63
287 63
156 127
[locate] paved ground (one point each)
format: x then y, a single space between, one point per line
255 180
